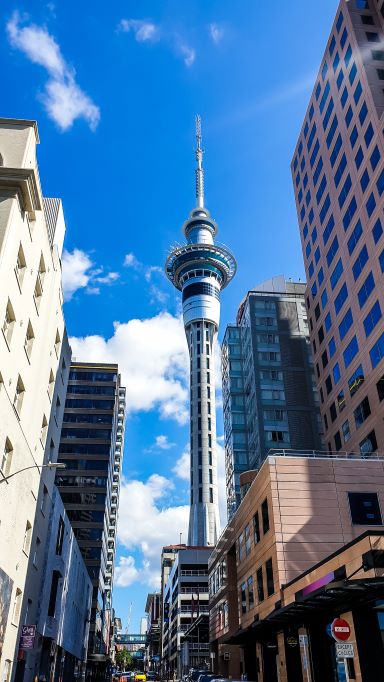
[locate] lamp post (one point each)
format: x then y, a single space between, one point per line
50 465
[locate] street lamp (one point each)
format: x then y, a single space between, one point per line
50 465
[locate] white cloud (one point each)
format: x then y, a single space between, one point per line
75 267
151 270
187 52
146 524
63 99
144 31
126 572
216 32
183 465
163 443
78 272
130 261
153 358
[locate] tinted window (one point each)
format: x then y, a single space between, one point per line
365 509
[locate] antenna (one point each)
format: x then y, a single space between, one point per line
199 173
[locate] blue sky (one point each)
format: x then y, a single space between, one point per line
115 88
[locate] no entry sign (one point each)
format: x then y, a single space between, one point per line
341 630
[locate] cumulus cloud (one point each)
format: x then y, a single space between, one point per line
147 524
63 99
144 31
216 32
187 52
153 358
163 443
183 465
130 261
79 272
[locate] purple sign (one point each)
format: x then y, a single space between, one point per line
321 582
27 638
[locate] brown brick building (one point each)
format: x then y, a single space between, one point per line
297 512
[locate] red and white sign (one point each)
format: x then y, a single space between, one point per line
341 630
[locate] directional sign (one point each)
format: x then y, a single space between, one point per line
341 630
344 650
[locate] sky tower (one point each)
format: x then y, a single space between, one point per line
200 269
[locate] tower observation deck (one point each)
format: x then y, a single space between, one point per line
200 269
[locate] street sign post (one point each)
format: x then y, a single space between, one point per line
344 650
27 637
341 630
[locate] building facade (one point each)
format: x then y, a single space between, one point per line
152 646
298 512
185 600
201 269
32 367
269 388
91 447
338 178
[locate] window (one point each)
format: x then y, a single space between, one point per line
341 298
324 98
364 181
341 401
366 290
332 347
356 380
348 116
344 97
377 352
44 500
265 516
260 585
321 337
317 171
368 444
335 151
53 593
332 46
60 537
351 351
6 459
360 262
340 79
343 38
340 170
377 230
44 430
362 412
372 37
317 255
367 20
321 189
332 251
363 113
336 274
332 412
324 209
365 509
251 599
373 317
29 339
328 384
345 191
328 322
36 554
350 212
353 137
19 395
314 154
345 324
380 183
256 528
324 359
359 158
9 322
380 388
355 236
332 131
337 441
336 373
339 22
346 431
247 540
370 205
368 135
321 276
375 158
38 293
328 113
324 299
21 266
27 538
381 261
16 607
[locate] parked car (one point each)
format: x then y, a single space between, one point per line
140 677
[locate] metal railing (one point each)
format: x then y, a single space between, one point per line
323 454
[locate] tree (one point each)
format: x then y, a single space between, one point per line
124 659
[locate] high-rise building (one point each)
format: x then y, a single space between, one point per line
31 339
270 398
200 269
91 447
152 652
338 177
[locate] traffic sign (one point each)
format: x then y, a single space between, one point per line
341 630
344 650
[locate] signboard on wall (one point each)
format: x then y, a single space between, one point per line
27 637
344 650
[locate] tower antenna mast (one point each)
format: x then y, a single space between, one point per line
199 169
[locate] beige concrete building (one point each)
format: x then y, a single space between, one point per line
32 369
297 512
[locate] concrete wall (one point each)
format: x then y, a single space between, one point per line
22 223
